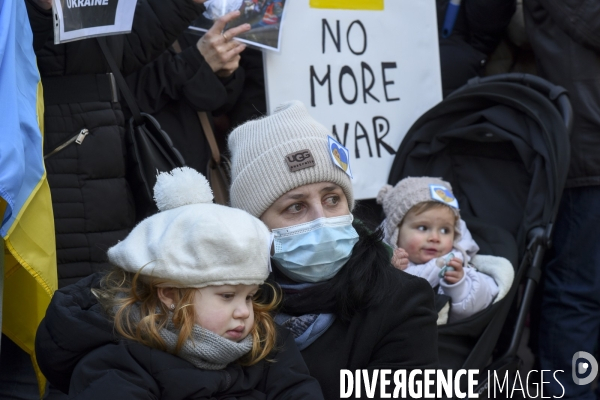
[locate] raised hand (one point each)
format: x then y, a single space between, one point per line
218 48
400 259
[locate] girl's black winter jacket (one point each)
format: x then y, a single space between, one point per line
79 353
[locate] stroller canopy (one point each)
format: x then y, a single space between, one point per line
502 144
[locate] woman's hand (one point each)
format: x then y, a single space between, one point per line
453 277
218 48
400 259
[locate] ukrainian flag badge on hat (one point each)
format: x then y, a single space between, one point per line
340 155
441 193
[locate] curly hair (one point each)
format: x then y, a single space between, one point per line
132 301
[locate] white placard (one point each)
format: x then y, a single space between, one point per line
365 74
81 19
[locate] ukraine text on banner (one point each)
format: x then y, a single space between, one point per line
27 224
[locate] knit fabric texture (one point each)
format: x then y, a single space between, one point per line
299 325
398 200
259 171
206 349
193 242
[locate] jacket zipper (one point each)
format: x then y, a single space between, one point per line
77 139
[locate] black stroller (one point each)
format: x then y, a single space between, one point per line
502 142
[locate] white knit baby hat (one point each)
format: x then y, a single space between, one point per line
259 148
192 242
398 200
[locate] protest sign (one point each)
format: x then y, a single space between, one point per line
80 19
264 16
366 69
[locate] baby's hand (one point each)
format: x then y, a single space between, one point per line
400 259
453 277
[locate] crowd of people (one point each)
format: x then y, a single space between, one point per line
271 296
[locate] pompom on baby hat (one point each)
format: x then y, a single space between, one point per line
192 242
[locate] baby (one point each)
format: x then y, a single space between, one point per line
422 217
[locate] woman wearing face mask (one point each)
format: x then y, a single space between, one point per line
346 306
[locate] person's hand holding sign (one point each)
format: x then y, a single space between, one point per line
219 49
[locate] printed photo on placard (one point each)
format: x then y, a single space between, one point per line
265 18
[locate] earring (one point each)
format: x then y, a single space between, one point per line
172 306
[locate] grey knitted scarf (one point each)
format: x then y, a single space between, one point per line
206 349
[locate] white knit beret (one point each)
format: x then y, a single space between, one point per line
398 200
260 173
192 242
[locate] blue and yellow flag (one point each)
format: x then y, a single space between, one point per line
27 226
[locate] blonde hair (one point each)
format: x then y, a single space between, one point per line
123 293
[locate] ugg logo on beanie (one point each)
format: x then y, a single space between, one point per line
300 160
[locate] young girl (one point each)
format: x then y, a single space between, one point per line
422 217
182 316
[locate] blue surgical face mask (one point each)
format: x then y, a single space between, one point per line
316 250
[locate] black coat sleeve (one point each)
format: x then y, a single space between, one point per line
62 340
184 77
130 371
488 20
156 24
408 337
111 373
251 102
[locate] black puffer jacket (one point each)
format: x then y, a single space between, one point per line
79 354
565 38
92 202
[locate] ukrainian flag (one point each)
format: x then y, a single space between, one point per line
27 227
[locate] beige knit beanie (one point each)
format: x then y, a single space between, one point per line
407 193
192 242
270 157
